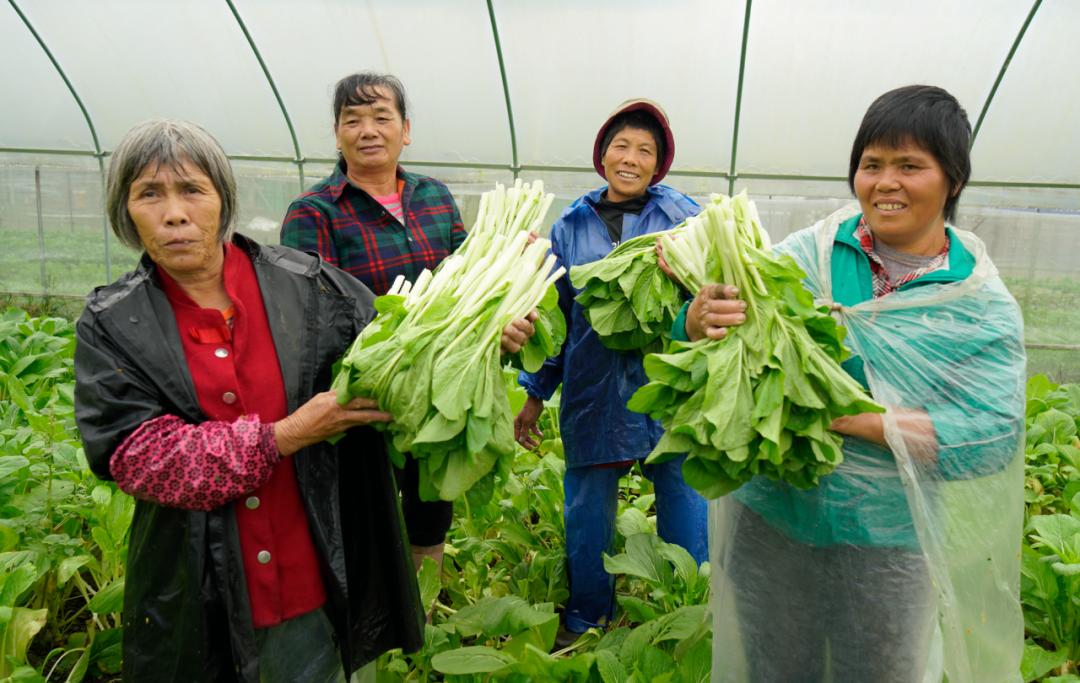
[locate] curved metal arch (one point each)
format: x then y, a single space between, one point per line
515 167
732 176
1004 68
299 160
98 153
63 76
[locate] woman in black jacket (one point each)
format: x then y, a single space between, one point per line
258 550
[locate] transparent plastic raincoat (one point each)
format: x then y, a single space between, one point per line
903 564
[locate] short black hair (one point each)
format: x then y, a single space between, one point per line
357 90
635 119
926 116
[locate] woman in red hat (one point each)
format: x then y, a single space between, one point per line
602 439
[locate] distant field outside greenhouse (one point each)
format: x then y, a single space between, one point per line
67 256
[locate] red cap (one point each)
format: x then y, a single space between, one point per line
657 112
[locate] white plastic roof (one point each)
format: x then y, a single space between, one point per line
524 84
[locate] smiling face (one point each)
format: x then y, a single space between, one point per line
902 191
371 136
177 213
629 163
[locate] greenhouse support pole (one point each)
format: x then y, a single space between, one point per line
106 233
71 213
299 158
1004 68
86 115
515 167
738 97
40 230
63 76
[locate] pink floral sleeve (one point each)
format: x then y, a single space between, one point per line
195 467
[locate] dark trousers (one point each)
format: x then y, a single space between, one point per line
592 494
864 614
425 521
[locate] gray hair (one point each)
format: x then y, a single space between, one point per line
173 144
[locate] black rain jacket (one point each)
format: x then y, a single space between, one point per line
186 610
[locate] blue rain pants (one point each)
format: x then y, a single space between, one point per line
589 513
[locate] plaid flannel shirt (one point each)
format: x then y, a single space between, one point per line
882 283
352 231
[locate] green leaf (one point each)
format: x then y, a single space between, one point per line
633 521
24 674
1060 427
15 583
108 600
609 667
683 623
685 566
1038 663
1060 534
82 665
16 392
69 566
106 650
430 582
473 659
9 464
641 559
15 635
638 610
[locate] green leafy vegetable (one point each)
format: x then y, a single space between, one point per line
626 298
760 401
431 356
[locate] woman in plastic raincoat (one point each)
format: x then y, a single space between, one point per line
904 562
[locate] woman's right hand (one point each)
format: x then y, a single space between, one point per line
525 428
322 417
713 311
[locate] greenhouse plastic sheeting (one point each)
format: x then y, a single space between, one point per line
442 52
1030 130
807 89
810 71
132 60
571 63
909 552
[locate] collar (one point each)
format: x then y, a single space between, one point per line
212 326
961 262
659 196
337 181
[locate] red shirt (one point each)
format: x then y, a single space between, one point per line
236 374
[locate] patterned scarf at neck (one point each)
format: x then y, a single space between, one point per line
882 283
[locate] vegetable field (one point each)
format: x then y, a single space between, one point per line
494 608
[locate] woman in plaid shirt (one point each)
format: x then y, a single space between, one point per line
375 220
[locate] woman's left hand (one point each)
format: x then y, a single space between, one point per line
663 264
916 429
518 332
321 417
867 426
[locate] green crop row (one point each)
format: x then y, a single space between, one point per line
494 606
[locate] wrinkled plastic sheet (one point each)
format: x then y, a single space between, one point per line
904 564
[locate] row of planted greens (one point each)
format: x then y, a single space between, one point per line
63 546
758 404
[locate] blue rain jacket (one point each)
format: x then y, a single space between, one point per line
597 382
